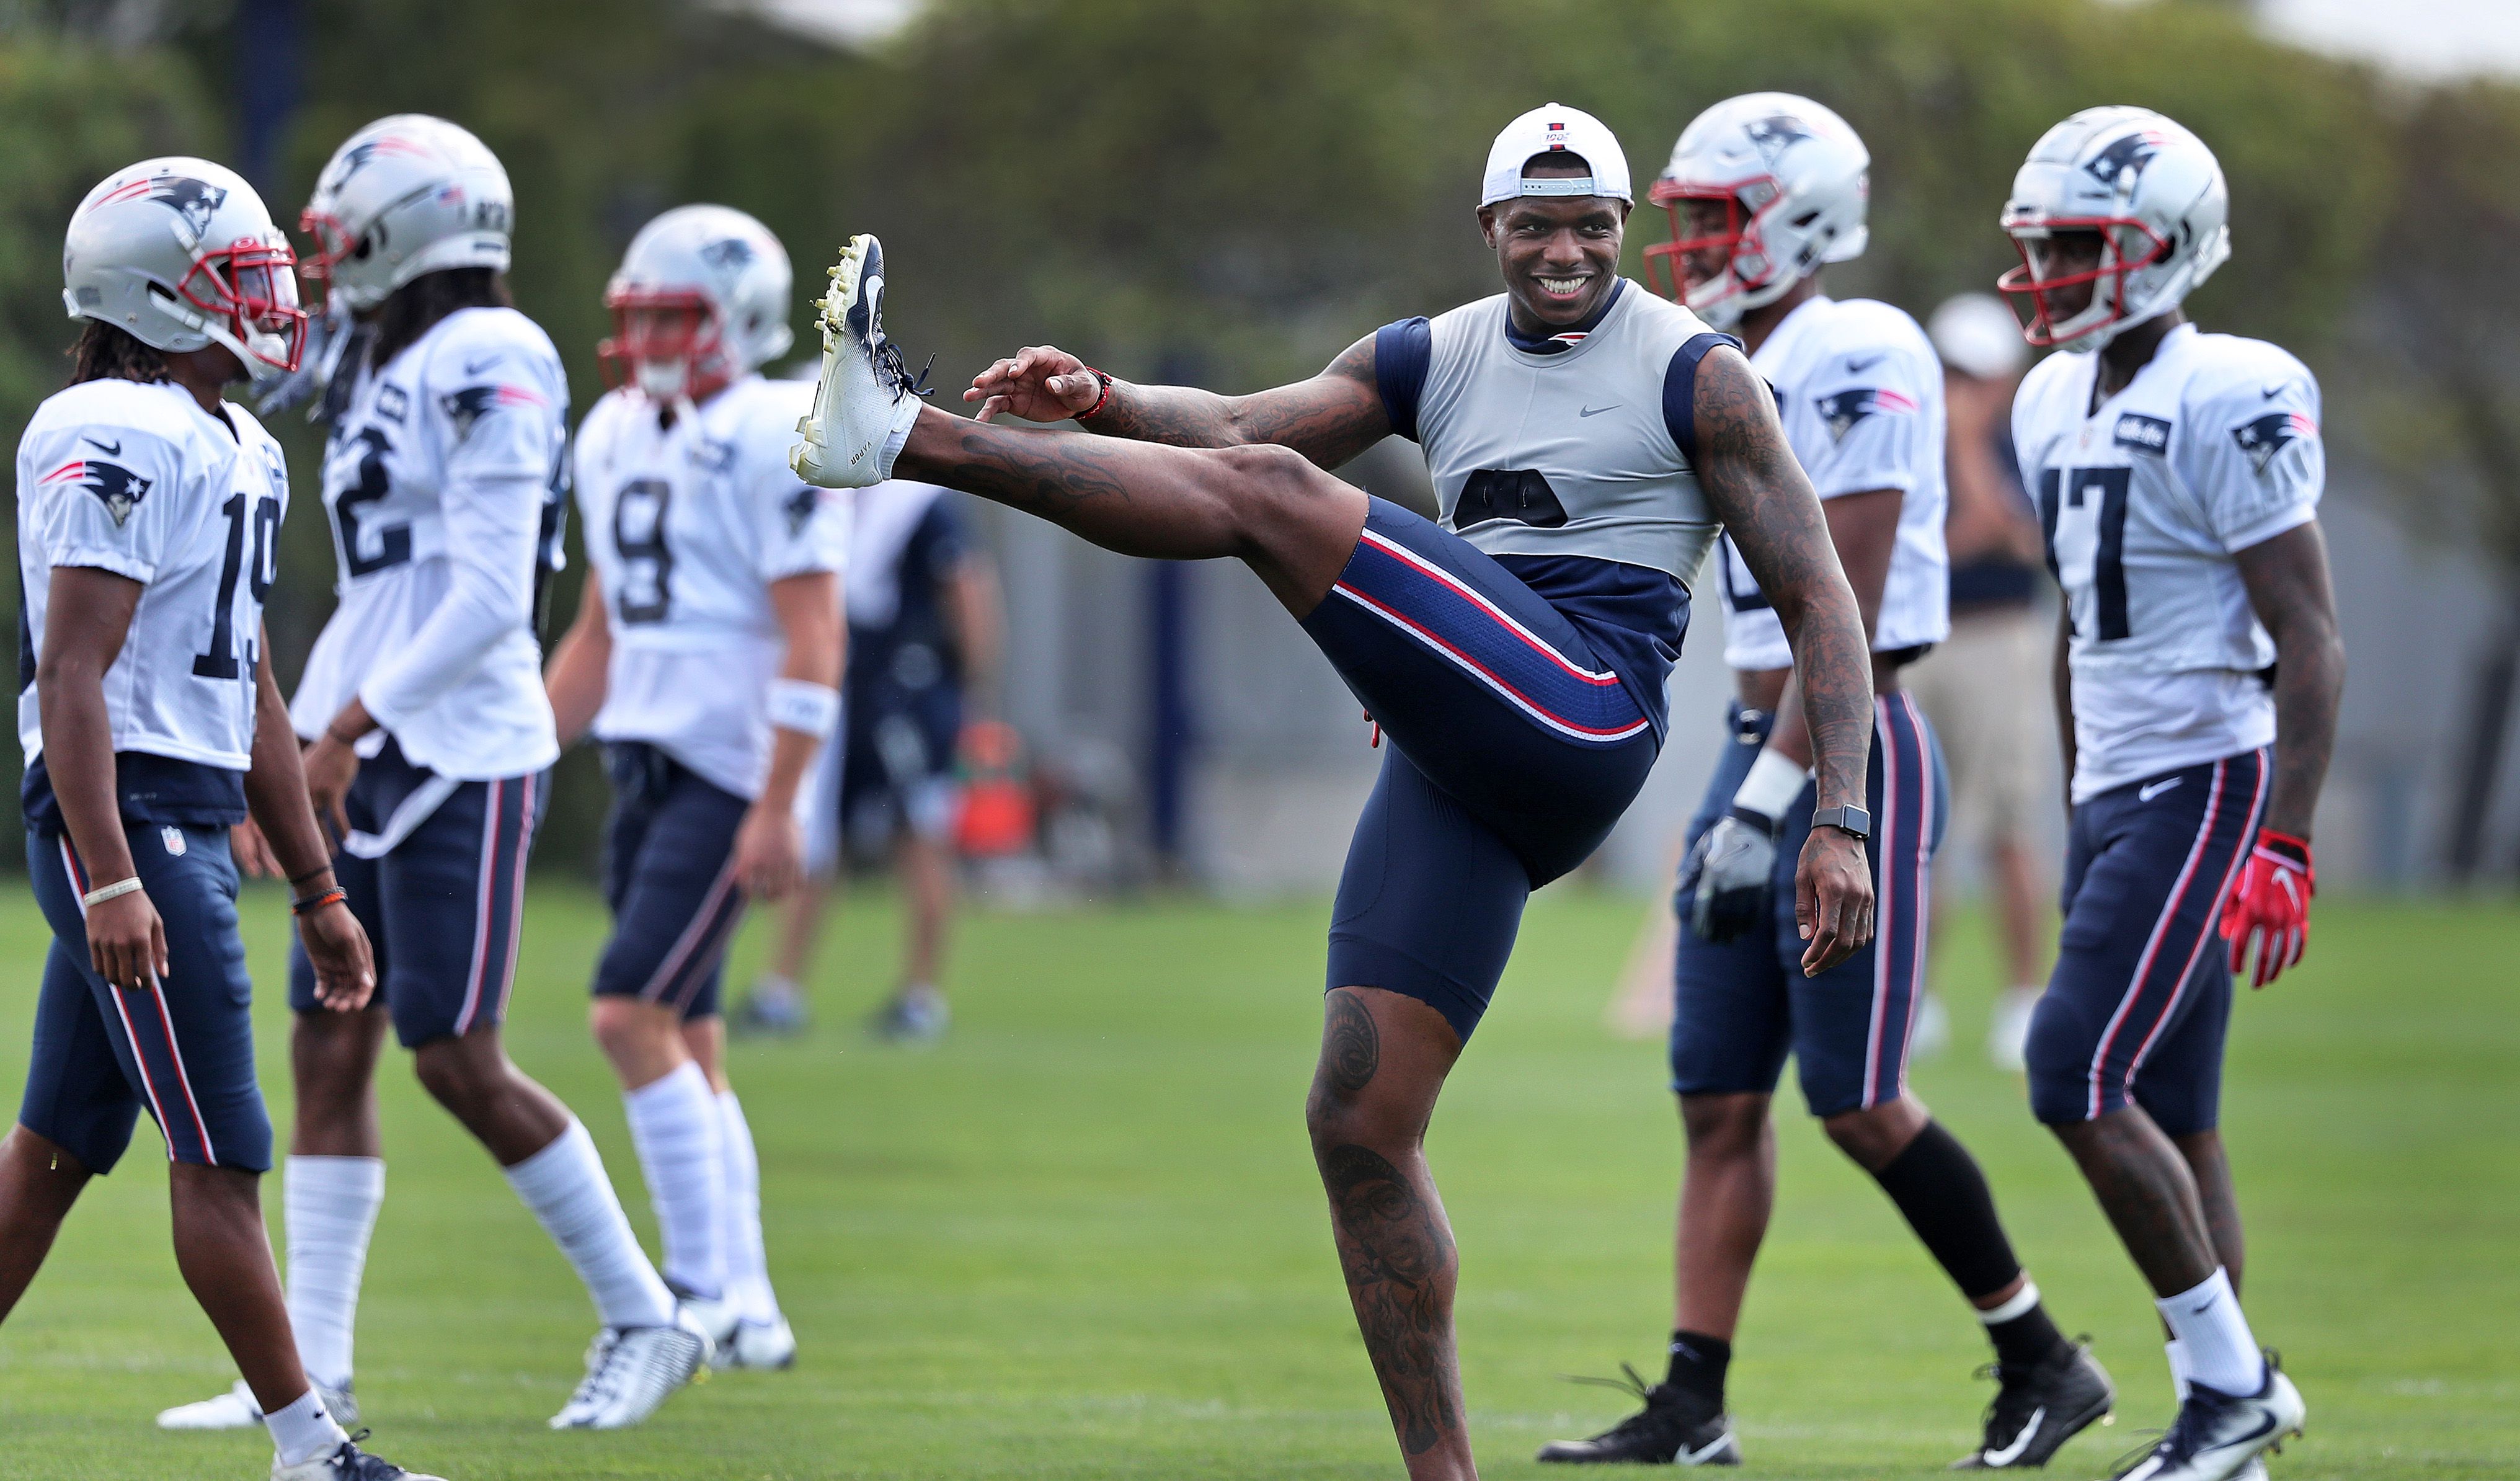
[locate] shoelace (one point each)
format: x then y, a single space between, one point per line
602 1371
1635 1387
894 370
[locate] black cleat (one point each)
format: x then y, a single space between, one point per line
2038 1408
1675 1428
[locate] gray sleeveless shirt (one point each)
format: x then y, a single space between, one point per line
1587 451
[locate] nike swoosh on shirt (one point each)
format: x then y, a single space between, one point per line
1594 410
477 367
2270 392
1996 1460
1864 364
2148 793
114 447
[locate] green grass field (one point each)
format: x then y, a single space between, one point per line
1084 1239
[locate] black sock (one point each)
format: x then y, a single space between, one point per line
1943 1197
1697 1364
2026 1339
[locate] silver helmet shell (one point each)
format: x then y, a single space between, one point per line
1796 181
406 194
715 260
2155 197
181 255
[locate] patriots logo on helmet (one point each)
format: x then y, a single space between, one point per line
728 253
474 402
2262 437
357 158
1846 408
116 487
194 201
2125 158
1772 134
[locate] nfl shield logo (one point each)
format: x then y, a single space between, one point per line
174 837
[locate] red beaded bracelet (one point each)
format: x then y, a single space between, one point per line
1100 401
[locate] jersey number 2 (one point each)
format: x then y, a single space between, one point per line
220 663
393 541
2085 511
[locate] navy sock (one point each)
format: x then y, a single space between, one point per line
1697 1364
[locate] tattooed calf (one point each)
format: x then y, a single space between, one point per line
1399 1261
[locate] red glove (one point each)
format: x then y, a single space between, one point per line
2270 910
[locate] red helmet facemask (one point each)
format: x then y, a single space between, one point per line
1746 256
664 328
254 286
2107 276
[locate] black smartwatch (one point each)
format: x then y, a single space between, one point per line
1846 820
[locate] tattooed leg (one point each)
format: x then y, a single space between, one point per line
1383 1061
2146 1187
1265 506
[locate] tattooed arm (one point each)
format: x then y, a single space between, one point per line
1329 419
2287 582
1760 493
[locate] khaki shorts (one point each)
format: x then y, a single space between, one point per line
1988 691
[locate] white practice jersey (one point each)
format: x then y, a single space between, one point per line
442 481
2214 448
687 526
135 478
1860 391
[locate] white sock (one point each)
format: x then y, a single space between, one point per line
565 1186
304 1430
747 1267
2176 1352
674 1123
2214 1340
332 1205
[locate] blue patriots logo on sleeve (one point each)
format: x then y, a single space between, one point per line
2262 437
799 508
474 402
116 487
1844 409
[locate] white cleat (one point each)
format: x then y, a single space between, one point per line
632 1371
767 1345
2220 1437
864 401
347 1463
237 1409
717 1319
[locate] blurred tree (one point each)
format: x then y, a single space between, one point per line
2435 385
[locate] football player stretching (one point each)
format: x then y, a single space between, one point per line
1764 191
2178 474
428 732
1586 439
149 513
706 658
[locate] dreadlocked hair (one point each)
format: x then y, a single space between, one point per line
109 352
412 309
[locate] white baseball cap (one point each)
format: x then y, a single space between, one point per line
1977 336
1557 128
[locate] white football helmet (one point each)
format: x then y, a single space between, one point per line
402 196
729 279
2152 193
181 255
1794 182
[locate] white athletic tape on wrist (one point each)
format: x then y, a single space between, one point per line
115 891
805 707
1772 786
2018 1306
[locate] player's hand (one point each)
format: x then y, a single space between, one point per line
1832 897
331 767
126 942
1736 867
345 968
2267 915
769 852
1041 384
252 852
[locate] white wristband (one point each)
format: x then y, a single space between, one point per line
805 707
115 891
1772 786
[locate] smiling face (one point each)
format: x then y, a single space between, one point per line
1560 253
